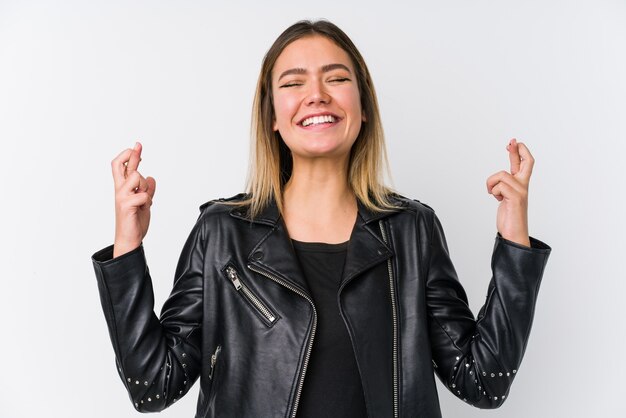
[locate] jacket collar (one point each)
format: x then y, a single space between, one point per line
271 215
275 255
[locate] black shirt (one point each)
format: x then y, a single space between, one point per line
332 385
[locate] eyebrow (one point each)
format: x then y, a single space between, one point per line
325 68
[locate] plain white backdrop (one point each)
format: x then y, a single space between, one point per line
80 81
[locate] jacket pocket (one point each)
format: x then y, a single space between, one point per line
261 308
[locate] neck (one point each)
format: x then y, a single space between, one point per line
318 203
318 185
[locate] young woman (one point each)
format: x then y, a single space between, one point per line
319 292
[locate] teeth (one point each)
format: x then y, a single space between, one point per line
315 120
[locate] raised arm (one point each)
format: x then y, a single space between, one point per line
478 359
157 359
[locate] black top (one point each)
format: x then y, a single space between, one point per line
332 385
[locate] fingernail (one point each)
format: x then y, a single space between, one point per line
136 145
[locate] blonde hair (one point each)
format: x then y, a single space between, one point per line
270 160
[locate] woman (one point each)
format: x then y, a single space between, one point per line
320 292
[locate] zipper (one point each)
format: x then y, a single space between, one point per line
214 360
244 290
309 348
394 313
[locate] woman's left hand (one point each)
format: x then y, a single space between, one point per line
511 190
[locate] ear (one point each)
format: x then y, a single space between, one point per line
274 125
363 117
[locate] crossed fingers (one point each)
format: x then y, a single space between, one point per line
513 184
126 178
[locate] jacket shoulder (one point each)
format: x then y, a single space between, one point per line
221 205
412 205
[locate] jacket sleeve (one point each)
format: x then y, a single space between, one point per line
157 359
477 359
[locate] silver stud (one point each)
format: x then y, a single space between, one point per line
184 355
185 382
158 397
508 374
453 385
136 382
503 396
493 375
149 399
184 365
180 392
480 387
454 367
466 364
471 372
458 392
465 399
484 373
495 398
145 383
142 401
458 358
500 374
128 379
174 400
484 393
514 371
136 405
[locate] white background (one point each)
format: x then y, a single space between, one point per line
80 81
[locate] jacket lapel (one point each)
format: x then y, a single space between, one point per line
365 248
275 254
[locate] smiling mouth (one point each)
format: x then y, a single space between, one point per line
318 120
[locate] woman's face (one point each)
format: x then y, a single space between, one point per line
316 98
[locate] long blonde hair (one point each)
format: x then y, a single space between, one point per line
270 160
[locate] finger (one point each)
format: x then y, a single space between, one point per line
514 157
504 177
135 183
507 178
496 191
527 162
506 191
151 186
118 167
135 156
138 200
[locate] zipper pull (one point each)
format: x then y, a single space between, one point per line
213 361
232 275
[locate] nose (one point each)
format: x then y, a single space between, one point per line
317 94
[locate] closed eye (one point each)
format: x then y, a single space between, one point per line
292 84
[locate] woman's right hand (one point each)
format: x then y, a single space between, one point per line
133 198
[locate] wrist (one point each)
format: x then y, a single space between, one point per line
121 247
520 239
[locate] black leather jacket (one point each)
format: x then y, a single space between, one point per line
241 319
